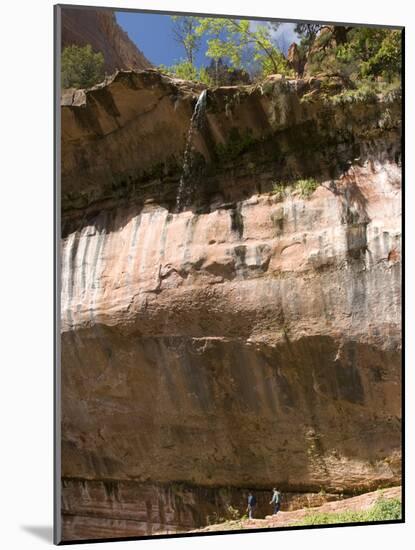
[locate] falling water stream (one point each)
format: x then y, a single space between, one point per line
196 122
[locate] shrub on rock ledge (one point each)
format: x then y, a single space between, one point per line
81 67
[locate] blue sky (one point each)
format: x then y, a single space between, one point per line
152 33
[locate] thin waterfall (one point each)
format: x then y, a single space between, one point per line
196 122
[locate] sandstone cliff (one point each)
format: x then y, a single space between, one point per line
237 337
100 29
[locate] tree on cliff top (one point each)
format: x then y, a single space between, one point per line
356 53
184 31
233 45
237 42
81 67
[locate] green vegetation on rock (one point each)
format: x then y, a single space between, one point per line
81 67
306 187
303 187
364 93
352 53
382 510
236 145
279 190
187 71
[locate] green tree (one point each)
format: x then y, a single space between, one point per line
81 67
354 53
307 33
184 31
376 52
386 59
234 40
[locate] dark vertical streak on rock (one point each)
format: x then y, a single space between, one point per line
237 221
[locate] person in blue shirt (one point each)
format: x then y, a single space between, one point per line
251 505
276 500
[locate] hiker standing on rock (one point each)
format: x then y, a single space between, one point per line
251 505
276 501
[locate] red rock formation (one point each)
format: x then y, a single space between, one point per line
295 59
99 28
246 339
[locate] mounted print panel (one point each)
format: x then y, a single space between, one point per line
229 274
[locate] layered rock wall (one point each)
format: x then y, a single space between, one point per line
245 338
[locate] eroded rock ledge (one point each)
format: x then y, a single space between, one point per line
243 340
126 137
